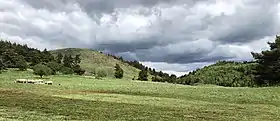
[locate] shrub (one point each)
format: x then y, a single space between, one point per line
101 74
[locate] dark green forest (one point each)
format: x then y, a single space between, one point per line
14 55
263 70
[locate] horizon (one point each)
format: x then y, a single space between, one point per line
173 36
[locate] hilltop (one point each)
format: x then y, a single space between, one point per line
223 73
92 60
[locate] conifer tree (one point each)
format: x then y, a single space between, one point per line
59 58
268 69
143 75
118 71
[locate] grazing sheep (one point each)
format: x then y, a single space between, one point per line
21 81
49 82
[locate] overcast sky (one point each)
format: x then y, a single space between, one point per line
171 35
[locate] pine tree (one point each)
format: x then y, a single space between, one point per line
76 65
154 72
67 61
59 58
268 69
47 56
118 71
143 75
77 59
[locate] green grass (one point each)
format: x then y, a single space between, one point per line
82 98
93 60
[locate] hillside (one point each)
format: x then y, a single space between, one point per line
233 74
92 60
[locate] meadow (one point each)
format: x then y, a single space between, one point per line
85 98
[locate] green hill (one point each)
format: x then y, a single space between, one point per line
232 74
92 60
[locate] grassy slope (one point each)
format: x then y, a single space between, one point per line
94 60
237 74
80 98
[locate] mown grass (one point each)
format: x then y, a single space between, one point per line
82 98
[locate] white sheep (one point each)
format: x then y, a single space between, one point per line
21 81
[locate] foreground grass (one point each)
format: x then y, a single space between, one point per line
81 98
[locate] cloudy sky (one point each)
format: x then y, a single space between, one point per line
171 35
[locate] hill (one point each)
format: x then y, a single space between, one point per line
223 73
93 61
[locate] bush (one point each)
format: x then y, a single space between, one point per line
101 74
42 70
157 79
66 70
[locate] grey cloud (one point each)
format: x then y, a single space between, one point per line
146 30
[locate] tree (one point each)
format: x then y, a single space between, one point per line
78 70
54 66
66 70
160 74
59 58
154 72
118 71
267 72
47 56
2 65
41 70
21 63
172 78
143 75
76 65
77 59
35 58
68 61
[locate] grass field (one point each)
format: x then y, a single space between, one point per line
84 98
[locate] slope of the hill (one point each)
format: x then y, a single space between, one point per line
232 74
92 60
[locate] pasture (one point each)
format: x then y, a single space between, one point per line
84 98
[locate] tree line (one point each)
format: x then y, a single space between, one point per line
157 76
14 55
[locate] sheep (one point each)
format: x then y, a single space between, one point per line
49 82
21 81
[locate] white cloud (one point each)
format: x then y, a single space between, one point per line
177 69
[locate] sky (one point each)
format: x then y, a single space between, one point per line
175 36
